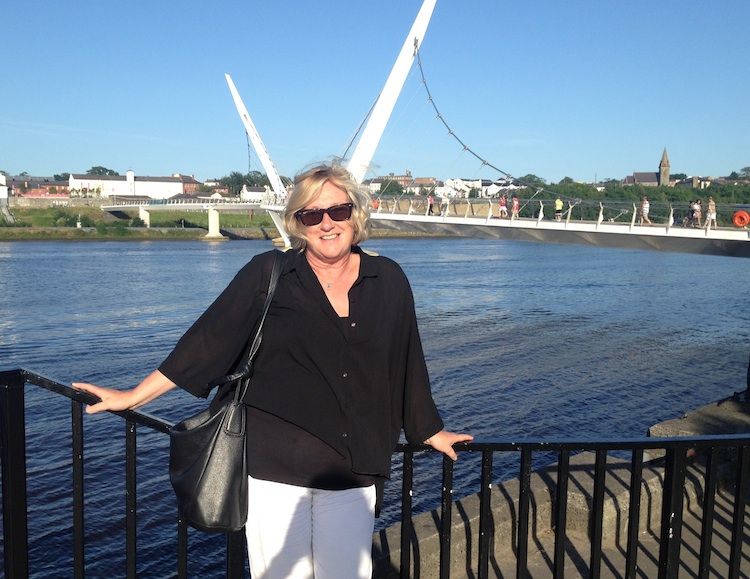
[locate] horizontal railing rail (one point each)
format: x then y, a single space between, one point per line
676 458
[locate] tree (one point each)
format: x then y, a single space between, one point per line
61 176
256 179
234 182
745 173
531 179
677 176
390 187
99 170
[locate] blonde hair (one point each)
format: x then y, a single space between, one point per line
307 186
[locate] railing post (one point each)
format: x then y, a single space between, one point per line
738 518
236 555
522 551
561 513
709 507
407 488
485 515
76 421
446 518
634 512
131 519
675 466
597 510
13 451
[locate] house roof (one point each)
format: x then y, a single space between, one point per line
646 177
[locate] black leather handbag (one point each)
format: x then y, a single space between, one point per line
207 456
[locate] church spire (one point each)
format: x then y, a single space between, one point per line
664 169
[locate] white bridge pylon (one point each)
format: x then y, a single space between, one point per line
368 142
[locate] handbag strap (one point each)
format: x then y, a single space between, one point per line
272 283
243 371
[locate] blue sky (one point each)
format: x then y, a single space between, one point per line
579 89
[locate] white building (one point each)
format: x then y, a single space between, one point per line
126 186
3 190
254 194
484 187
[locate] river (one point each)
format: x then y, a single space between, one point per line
523 340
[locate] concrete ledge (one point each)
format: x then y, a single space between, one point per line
504 514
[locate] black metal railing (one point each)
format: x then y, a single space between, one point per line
477 534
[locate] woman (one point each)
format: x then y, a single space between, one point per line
698 211
339 373
645 210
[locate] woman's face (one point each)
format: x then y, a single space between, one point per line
329 240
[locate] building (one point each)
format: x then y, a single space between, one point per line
254 194
27 186
483 187
3 190
411 185
190 184
217 186
656 179
698 182
130 185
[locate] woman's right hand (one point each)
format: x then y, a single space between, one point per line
153 386
111 399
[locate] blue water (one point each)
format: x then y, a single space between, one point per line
523 340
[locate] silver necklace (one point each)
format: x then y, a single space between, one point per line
328 284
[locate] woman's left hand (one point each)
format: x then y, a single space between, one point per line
444 441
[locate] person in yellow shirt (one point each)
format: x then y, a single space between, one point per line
558 209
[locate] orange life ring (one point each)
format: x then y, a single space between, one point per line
741 219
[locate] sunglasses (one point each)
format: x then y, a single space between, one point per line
310 217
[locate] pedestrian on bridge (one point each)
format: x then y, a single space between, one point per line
503 211
336 379
558 209
645 209
515 207
711 214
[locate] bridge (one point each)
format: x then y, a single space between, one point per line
212 206
478 218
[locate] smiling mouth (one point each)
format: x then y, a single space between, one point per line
330 236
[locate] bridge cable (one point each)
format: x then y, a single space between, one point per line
464 147
538 189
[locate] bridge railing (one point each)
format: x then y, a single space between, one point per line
674 480
529 208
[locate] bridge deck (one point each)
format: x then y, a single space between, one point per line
467 219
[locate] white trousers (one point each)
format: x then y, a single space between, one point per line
301 533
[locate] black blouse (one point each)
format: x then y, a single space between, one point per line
354 385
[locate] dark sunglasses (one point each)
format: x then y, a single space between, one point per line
310 217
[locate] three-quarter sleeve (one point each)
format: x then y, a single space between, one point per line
213 345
